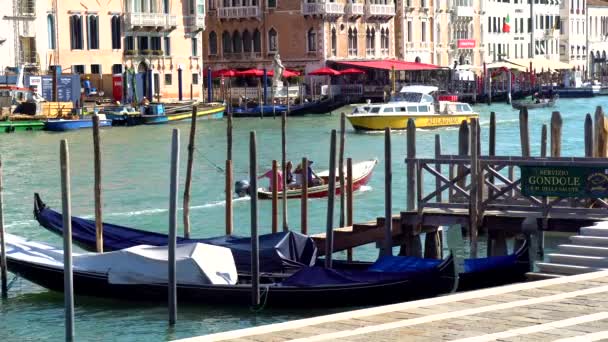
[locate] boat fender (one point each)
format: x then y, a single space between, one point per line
241 188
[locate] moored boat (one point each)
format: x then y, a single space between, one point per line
10 126
215 111
477 273
61 125
122 115
207 275
412 102
362 173
258 110
534 104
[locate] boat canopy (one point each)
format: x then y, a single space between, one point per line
196 263
390 64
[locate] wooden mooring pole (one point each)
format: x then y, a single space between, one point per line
463 150
476 187
3 272
411 164
97 186
341 167
66 204
275 196
543 141
438 167
524 132
600 133
349 201
284 167
331 193
387 248
173 190
228 185
304 199
556 134
588 136
255 251
188 183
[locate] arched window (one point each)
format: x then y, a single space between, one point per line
246 41
213 43
115 32
334 42
368 41
350 41
372 41
312 40
237 43
257 41
93 32
226 42
50 22
355 43
273 43
76 40
386 41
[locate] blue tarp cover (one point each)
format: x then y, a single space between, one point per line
278 251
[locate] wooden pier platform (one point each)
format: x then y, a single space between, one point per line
571 308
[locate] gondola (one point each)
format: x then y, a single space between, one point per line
279 252
534 105
97 275
362 173
477 273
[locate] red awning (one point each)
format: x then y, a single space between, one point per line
388 64
325 71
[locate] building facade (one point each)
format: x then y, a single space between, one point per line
460 32
306 33
597 34
21 22
573 30
509 27
104 38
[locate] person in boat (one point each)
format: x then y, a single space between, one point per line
313 178
268 175
535 98
289 177
144 101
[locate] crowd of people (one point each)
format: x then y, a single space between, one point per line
295 178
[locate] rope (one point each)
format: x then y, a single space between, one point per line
217 167
10 283
262 306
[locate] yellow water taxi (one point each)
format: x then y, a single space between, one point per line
412 102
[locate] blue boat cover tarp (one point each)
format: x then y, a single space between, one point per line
278 252
403 264
319 276
485 264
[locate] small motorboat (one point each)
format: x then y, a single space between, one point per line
184 112
534 104
61 125
362 173
122 115
412 102
257 111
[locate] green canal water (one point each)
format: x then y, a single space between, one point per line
135 182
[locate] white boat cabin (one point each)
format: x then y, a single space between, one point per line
415 100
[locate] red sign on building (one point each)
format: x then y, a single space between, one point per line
466 43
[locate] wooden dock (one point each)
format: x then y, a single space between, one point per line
565 309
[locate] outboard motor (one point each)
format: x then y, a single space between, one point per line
241 188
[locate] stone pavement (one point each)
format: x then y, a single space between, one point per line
564 309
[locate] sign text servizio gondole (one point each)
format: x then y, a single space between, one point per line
564 181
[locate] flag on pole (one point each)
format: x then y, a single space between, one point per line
505 25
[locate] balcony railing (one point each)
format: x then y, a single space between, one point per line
28 58
196 22
150 21
144 53
331 9
242 55
354 10
240 12
379 11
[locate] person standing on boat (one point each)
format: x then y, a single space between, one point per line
268 175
